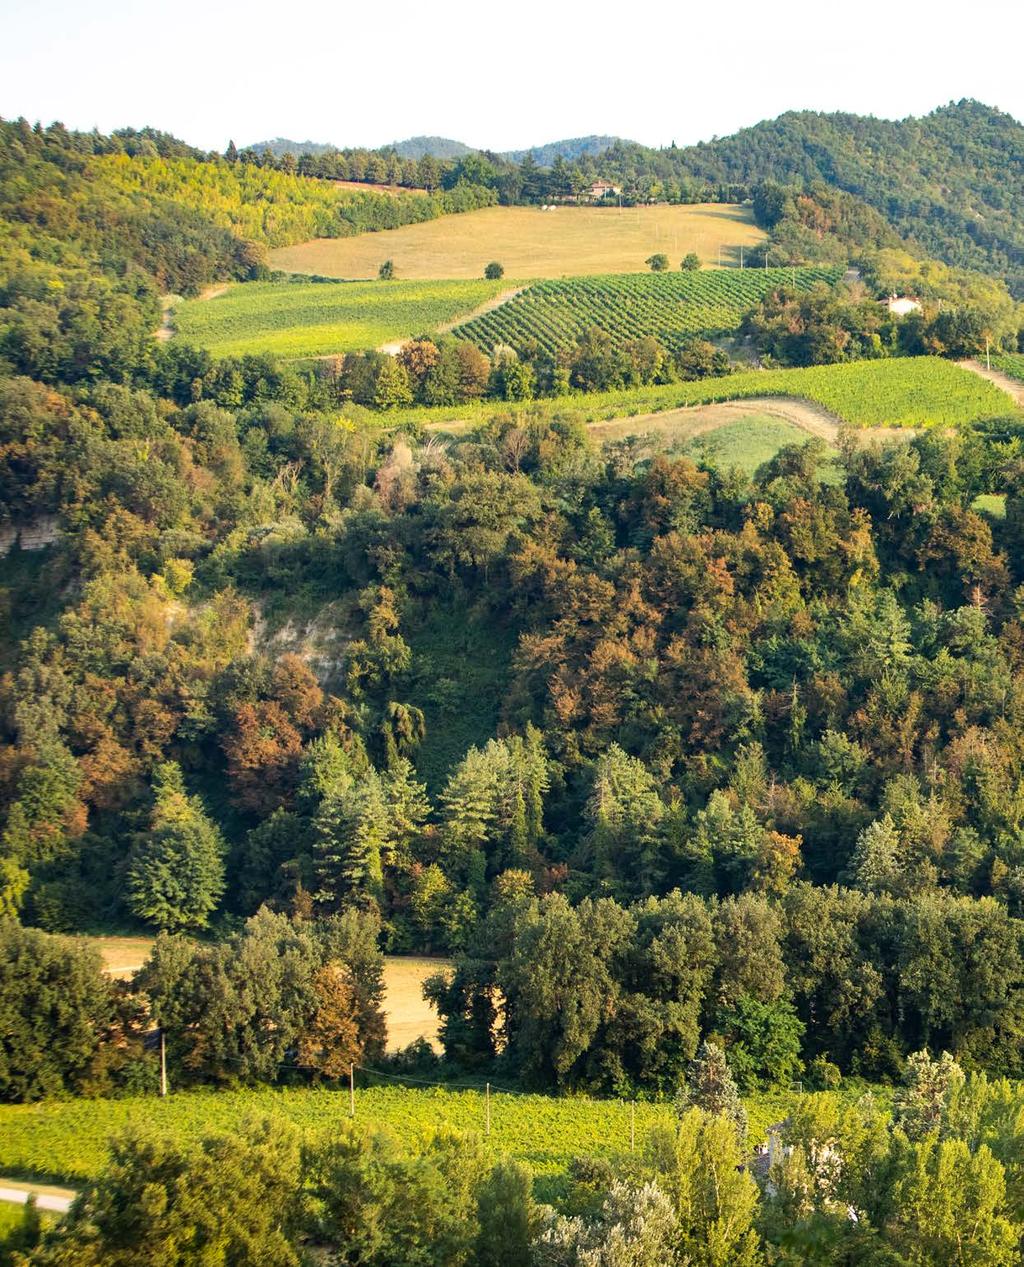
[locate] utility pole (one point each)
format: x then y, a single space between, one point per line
741 257
487 1103
766 261
988 353
351 1090
632 1126
163 1063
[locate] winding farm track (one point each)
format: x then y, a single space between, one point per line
57 1200
1008 384
393 348
170 302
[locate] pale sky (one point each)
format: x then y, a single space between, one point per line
498 76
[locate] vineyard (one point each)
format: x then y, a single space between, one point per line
902 392
296 319
670 306
1011 363
68 1140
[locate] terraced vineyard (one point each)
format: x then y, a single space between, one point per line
671 306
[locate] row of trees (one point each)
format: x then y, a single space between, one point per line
450 371
617 999
273 997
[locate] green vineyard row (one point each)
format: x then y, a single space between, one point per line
671 306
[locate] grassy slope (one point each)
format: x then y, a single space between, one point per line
910 392
68 1140
321 318
746 443
461 665
529 242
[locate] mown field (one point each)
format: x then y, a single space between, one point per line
904 392
530 242
746 443
670 306
67 1140
295 319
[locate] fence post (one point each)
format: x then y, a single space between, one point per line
163 1063
487 1102
351 1090
632 1126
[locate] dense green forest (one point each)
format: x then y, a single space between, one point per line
708 781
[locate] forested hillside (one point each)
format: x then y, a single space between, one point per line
952 181
709 782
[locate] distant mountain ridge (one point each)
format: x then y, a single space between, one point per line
444 147
280 146
952 180
577 147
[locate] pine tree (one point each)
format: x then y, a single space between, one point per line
624 813
175 874
352 834
710 1086
876 865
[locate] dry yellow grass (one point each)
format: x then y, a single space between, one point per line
122 956
529 242
409 1015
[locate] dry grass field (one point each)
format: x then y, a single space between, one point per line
409 1015
530 242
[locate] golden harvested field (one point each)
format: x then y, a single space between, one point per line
530 242
409 1015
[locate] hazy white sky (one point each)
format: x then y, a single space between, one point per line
500 76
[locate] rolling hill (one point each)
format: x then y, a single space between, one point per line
953 181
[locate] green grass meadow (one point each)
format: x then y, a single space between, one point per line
304 319
746 443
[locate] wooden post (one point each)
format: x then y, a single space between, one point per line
632 1126
351 1090
163 1063
487 1103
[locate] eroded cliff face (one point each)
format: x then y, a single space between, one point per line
37 534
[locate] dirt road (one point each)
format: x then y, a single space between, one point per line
58 1200
694 420
1008 384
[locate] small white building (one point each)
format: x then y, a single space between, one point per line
901 305
604 189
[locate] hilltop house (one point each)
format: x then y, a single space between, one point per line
900 305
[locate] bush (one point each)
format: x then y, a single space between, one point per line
657 263
494 271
